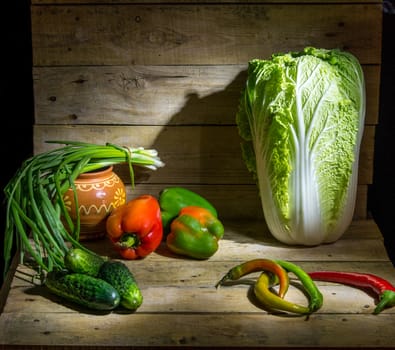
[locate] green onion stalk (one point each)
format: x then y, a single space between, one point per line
37 221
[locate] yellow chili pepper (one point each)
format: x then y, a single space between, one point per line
273 302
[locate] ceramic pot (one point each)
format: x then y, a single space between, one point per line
98 193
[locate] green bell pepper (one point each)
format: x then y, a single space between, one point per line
173 199
195 233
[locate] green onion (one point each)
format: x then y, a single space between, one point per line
38 223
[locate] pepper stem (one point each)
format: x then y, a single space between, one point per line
387 299
226 277
128 240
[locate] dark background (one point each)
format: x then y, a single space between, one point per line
16 100
16 97
381 194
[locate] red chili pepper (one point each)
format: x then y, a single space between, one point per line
135 228
383 288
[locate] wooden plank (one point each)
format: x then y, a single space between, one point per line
342 250
170 330
361 203
152 95
237 298
256 229
190 274
165 34
209 154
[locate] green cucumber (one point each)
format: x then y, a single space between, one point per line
82 289
81 261
121 278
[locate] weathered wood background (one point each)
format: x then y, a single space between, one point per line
169 77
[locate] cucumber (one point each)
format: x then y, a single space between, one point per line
81 261
82 289
121 278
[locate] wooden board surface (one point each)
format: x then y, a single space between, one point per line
161 75
153 95
193 34
181 300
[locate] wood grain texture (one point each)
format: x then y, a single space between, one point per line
180 298
193 154
152 95
203 34
175 74
241 330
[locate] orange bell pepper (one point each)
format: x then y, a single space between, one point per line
135 228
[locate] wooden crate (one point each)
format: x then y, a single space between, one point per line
168 75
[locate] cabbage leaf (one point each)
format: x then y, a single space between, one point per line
301 118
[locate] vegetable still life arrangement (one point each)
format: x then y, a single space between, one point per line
39 224
301 119
135 230
274 272
34 197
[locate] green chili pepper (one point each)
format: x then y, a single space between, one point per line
315 296
272 301
258 265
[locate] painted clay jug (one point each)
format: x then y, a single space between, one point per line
98 193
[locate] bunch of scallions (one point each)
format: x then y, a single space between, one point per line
38 223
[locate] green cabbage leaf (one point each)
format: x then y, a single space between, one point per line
301 119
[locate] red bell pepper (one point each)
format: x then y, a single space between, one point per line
135 228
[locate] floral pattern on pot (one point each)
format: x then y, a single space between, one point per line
98 193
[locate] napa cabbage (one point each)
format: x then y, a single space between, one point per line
301 118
